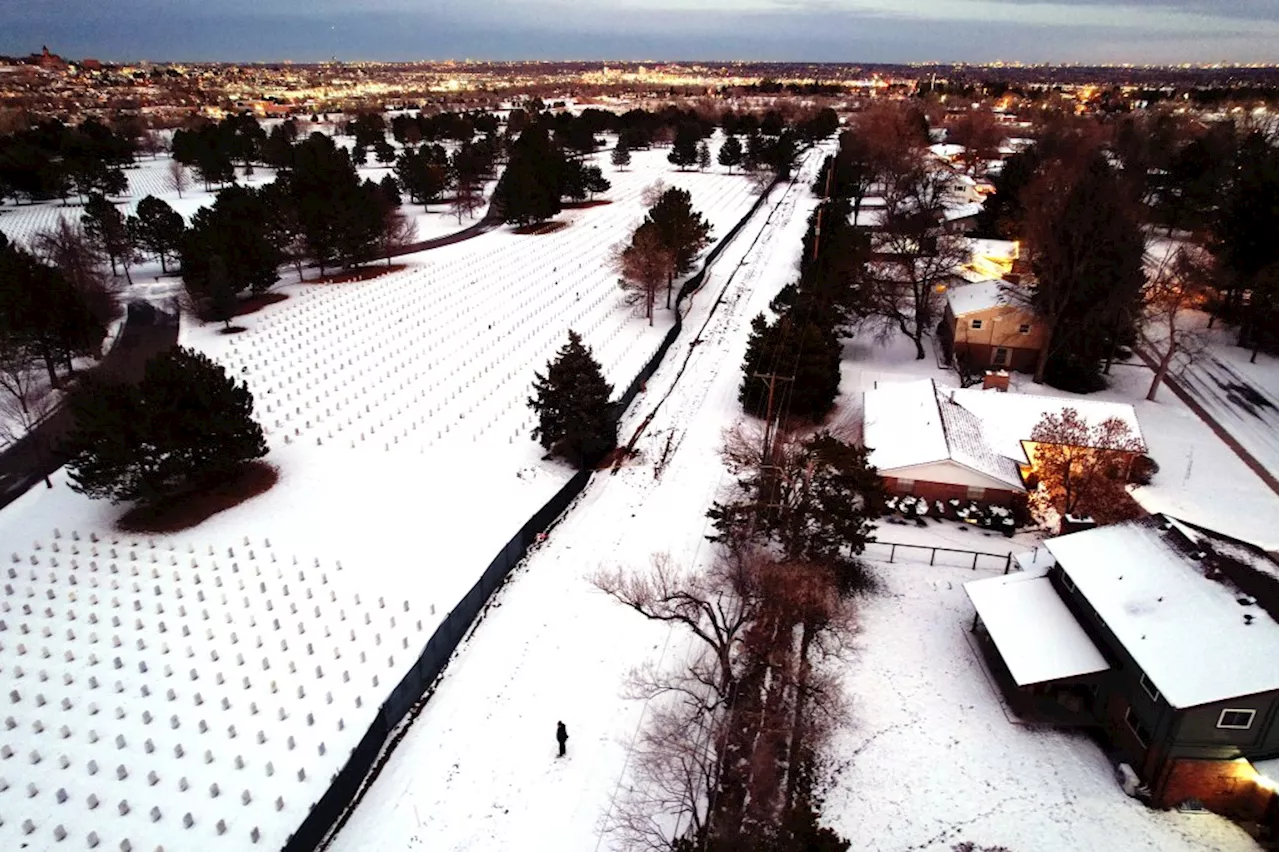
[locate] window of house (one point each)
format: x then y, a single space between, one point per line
1139 730
976 492
1024 329
1066 582
906 484
975 324
1148 687
1239 720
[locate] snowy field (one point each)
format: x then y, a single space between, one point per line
150 176
445 474
477 769
931 759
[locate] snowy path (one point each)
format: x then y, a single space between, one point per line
477 769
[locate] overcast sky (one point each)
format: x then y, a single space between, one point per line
1138 31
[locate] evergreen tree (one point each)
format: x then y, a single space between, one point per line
530 188
730 153
704 156
683 230
575 421
621 156
390 191
158 228
185 426
384 152
804 353
684 150
234 228
817 499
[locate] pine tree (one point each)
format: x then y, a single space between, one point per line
621 156
730 153
684 150
704 156
683 230
158 228
817 499
185 426
531 187
572 403
807 354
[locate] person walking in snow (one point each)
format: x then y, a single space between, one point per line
562 736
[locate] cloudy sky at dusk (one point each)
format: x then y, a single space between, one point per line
1139 31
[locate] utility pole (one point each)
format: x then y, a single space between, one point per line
772 379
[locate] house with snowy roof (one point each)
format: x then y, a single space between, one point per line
969 444
1161 634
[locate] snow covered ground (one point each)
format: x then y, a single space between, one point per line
477 770
931 759
431 365
1243 397
150 176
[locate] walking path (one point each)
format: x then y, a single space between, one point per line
147 331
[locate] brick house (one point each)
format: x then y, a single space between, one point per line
1163 636
944 443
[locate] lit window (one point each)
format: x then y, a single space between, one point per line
975 324
1149 688
1139 730
1240 720
1024 329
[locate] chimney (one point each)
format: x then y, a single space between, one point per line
996 380
1072 523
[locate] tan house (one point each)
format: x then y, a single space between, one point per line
982 326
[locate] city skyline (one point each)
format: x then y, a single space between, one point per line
973 31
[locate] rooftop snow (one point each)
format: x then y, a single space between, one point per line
1038 637
902 424
1008 419
1186 632
946 152
914 423
979 295
1269 769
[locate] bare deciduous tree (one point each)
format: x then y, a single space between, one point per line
645 265
398 232
650 194
24 400
1177 285
178 180
66 247
467 199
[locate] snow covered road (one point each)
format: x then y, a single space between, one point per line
477 770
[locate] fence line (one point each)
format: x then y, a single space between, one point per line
970 557
333 808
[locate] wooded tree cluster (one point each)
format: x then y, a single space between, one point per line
1083 201
53 160
540 175
663 247
46 317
